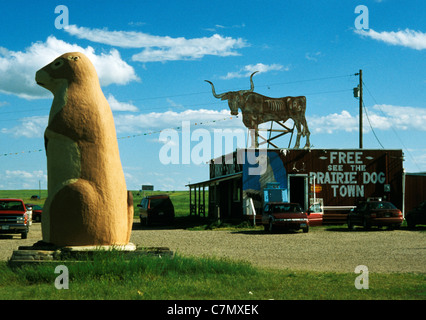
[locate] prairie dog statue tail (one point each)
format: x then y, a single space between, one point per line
88 202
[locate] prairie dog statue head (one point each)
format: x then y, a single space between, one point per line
72 67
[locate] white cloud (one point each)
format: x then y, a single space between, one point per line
406 38
313 56
120 106
382 117
30 127
331 123
18 68
20 179
146 123
403 118
219 26
34 127
161 48
247 70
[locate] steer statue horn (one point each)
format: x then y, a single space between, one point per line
241 92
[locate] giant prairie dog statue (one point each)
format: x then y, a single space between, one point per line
88 202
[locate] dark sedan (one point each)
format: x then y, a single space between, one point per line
375 213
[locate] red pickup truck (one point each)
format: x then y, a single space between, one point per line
14 217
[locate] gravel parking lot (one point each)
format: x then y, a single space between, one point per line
322 249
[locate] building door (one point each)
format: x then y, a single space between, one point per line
298 189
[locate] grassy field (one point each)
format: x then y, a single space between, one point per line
25 195
110 276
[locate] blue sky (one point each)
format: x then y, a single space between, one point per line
152 58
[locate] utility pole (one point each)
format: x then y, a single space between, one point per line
359 94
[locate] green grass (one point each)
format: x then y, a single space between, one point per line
110 276
25 195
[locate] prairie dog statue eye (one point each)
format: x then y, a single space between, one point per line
57 64
75 58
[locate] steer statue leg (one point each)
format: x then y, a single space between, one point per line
299 133
306 133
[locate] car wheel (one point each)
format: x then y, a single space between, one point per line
266 227
24 235
144 221
410 224
366 225
351 226
271 226
305 229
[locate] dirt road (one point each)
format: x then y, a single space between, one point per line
322 249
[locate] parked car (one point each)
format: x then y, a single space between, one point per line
374 213
156 209
416 216
37 210
284 215
14 217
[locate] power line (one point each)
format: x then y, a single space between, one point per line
371 127
309 80
183 107
206 122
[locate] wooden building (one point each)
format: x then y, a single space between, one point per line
414 190
335 178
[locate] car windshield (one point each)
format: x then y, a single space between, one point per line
381 205
11 205
286 208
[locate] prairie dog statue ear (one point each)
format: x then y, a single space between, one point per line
88 202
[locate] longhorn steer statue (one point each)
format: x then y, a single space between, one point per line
257 109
